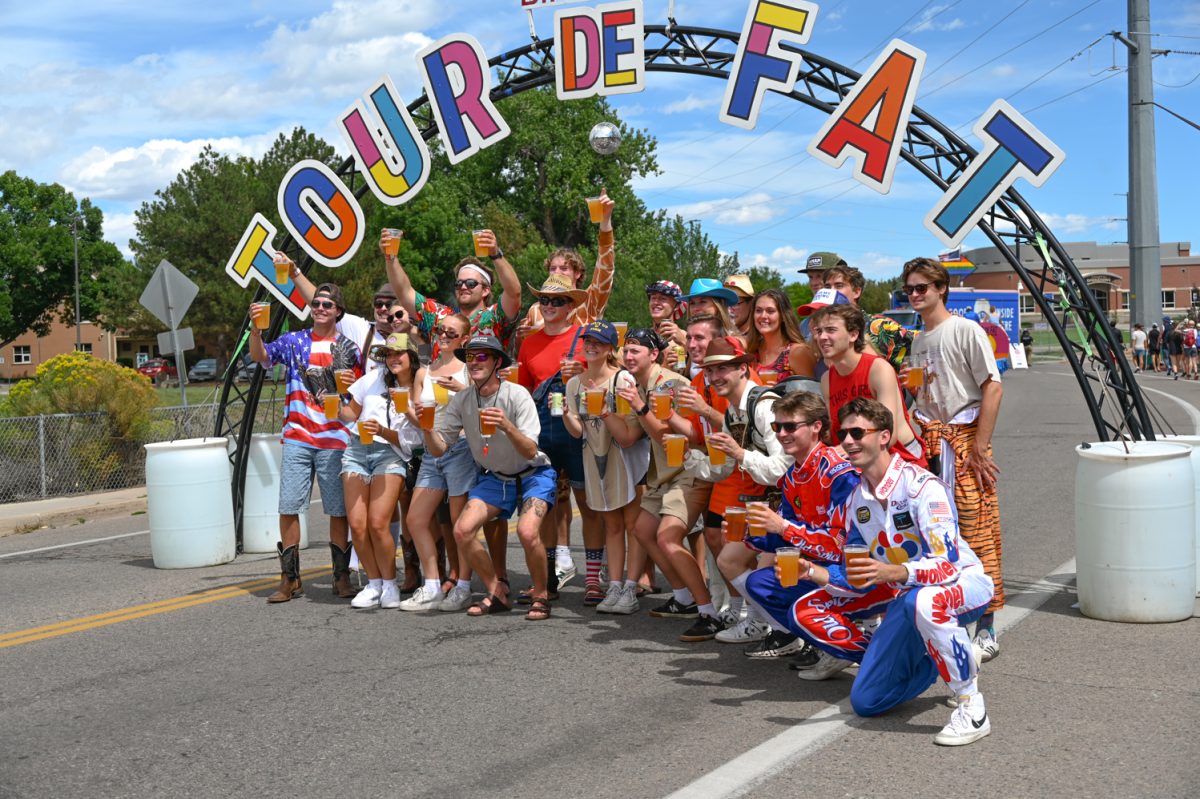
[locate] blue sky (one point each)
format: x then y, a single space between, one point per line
113 99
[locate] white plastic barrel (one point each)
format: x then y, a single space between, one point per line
1194 442
1135 531
260 499
189 503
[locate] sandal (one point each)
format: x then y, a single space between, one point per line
487 606
593 594
539 610
643 590
525 596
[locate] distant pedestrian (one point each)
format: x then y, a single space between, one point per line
1138 340
1153 342
1027 343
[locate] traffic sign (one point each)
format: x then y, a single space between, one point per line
181 341
169 294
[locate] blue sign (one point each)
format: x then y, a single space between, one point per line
1000 307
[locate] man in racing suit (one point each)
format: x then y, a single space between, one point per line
907 520
812 518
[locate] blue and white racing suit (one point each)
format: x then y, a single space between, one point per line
910 519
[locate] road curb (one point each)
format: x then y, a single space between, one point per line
28 517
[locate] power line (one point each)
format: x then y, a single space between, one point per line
1177 85
1057 66
1076 91
1037 35
972 43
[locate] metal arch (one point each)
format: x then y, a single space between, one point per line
929 146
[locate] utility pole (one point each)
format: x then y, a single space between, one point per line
1145 262
75 234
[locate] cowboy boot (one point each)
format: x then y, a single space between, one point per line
289 577
341 571
412 566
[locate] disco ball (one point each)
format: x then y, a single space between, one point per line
605 138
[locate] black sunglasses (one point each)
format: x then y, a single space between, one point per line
382 303
323 305
398 316
788 427
856 433
445 332
469 283
917 288
555 302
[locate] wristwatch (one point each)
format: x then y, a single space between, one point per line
645 410
499 254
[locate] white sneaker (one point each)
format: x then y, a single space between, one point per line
627 603
610 598
458 599
366 598
826 666
423 599
390 598
986 646
744 632
968 723
729 618
566 572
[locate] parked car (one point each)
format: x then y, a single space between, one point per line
204 369
158 370
246 369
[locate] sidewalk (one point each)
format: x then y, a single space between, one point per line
24 517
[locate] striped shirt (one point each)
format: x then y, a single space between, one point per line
311 362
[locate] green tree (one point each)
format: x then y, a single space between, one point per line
37 259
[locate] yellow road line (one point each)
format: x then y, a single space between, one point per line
140 611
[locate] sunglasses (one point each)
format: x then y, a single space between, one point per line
323 305
479 357
856 433
917 288
788 427
554 302
445 332
382 304
398 316
470 283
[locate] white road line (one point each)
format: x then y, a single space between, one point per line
76 544
749 770
1192 413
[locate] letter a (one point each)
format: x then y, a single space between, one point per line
873 116
760 63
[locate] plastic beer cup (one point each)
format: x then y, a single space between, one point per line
662 404
623 406
915 378
365 436
755 529
769 377
788 560
675 445
512 373
283 269
735 525
400 399
595 401
426 417
262 316
622 329
343 380
595 210
715 456
486 428
855 552
391 241
441 394
332 403
480 250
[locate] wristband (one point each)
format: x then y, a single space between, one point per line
645 410
499 254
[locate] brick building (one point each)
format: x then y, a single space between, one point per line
1105 267
22 357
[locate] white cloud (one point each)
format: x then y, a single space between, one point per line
690 103
134 173
749 209
929 21
119 229
1075 224
784 259
1003 71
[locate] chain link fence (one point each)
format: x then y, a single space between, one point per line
63 454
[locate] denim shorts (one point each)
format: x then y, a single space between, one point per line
455 472
371 460
505 494
300 463
564 450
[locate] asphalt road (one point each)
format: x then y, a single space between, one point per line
123 680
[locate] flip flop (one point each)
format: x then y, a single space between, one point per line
487 606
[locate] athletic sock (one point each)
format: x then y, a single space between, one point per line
463 584
376 584
707 609
631 584
683 596
735 605
433 585
594 558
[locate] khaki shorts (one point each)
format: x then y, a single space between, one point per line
673 499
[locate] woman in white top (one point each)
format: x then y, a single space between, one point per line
373 473
616 456
450 476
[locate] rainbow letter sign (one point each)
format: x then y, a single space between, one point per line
760 63
253 260
457 84
599 51
394 159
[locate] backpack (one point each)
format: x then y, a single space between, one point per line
1189 338
789 385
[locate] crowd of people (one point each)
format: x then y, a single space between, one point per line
816 483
